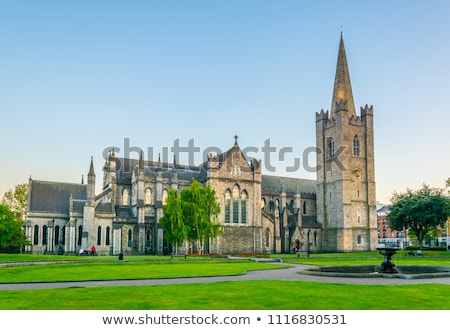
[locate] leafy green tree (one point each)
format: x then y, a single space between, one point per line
16 199
172 221
191 215
420 211
11 235
200 212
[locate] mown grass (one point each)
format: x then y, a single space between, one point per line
241 295
128 270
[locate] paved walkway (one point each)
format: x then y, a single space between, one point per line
288 274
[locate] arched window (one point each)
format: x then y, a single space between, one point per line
267 238
80 234
148 196
148 238
63 235
130 237
263 203
244 207
304 208
56 235
125 197
99 235
315 238
331 148
108 234
164 196
44 234
227 206
359 240
358 216
235 204
356 146
36 235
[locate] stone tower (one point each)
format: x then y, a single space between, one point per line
346 202
89 210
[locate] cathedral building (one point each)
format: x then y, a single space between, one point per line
259 213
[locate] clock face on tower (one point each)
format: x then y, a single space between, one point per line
356 173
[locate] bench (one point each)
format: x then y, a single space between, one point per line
419 253
302 252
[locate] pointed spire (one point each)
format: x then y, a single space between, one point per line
159 161
235 140
141 161
174 162
342 86
91 168
82 179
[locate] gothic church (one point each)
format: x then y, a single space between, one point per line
259 213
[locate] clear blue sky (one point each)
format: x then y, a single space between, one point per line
78 77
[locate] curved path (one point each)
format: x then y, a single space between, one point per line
289 274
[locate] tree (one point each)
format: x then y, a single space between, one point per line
191 215
12 238
16 199
420 211
172 221
200 212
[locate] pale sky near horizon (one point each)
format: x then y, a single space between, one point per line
78 77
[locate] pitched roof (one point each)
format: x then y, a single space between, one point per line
54 196
125 166
277 184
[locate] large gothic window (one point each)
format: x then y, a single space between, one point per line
244 207
227 206
125 197
148 196
356 146
236 204
164 196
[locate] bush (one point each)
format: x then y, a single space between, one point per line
430 248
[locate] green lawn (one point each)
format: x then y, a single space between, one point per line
129 270
242 295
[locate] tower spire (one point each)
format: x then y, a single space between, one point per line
141 161
91 168
342 86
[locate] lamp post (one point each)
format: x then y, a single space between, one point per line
309 231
